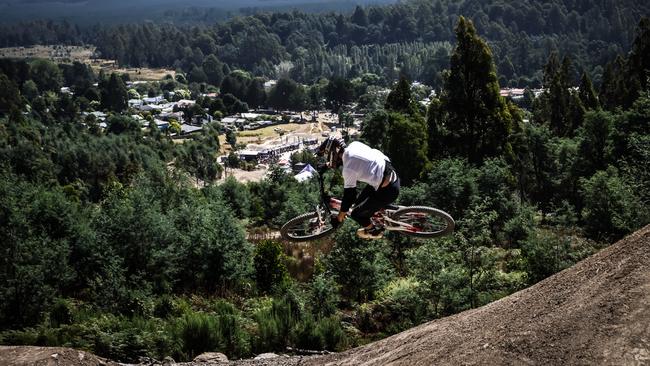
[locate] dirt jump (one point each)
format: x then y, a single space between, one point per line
594 313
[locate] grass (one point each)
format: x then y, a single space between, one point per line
269 131
68 54
54 53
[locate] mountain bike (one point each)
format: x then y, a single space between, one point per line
415 221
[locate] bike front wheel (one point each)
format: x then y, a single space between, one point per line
307 227
424 222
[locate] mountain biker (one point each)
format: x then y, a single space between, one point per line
361 163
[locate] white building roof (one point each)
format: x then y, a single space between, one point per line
185 128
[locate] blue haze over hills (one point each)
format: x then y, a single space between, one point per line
127 11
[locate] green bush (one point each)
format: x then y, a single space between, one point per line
517 228
198 333
62 312
277 323
164 307
323 296
332 334
360 267
611 208
305 335
123 339
212 332
545 254
270 269
401 305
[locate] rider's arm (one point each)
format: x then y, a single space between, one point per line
349 195
349 191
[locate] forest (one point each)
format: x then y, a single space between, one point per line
109 246
88 12
413 38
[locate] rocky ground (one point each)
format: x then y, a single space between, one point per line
595 313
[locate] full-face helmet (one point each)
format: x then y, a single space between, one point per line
331 149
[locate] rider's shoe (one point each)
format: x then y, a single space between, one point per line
371 233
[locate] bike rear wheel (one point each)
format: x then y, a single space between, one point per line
424 222
307 227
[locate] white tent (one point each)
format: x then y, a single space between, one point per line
306 173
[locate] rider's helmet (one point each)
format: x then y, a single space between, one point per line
331 149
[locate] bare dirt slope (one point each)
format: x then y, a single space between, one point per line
49 356
595 313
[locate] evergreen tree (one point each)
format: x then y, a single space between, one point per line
614 89
478 120
407 146
359 17
287 94
46 75
339 91
587 93
10 100
256 95
270 268
399 99
595 138
638 60
213 70
437 132
375 131
114 93
197 75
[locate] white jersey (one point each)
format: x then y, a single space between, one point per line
363 163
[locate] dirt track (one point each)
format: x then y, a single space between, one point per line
595 313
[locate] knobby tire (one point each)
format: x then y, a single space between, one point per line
448 221
285 231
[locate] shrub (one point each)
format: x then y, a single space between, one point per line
305 335
359 267
323 296
519 227
545 254
163 307
333 336
611 209
61 313
275 325
401 304
198 333
270 268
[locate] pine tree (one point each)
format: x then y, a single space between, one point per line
399 99
359 17
587 93
114 93
407 146
638 61
479 122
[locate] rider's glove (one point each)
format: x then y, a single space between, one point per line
334 220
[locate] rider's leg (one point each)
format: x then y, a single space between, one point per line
374 201
358 213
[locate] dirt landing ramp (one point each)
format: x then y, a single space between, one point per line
49 356
594 313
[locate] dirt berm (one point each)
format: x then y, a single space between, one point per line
594 313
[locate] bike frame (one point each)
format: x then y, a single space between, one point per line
380 218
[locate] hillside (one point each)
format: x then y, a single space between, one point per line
593 313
